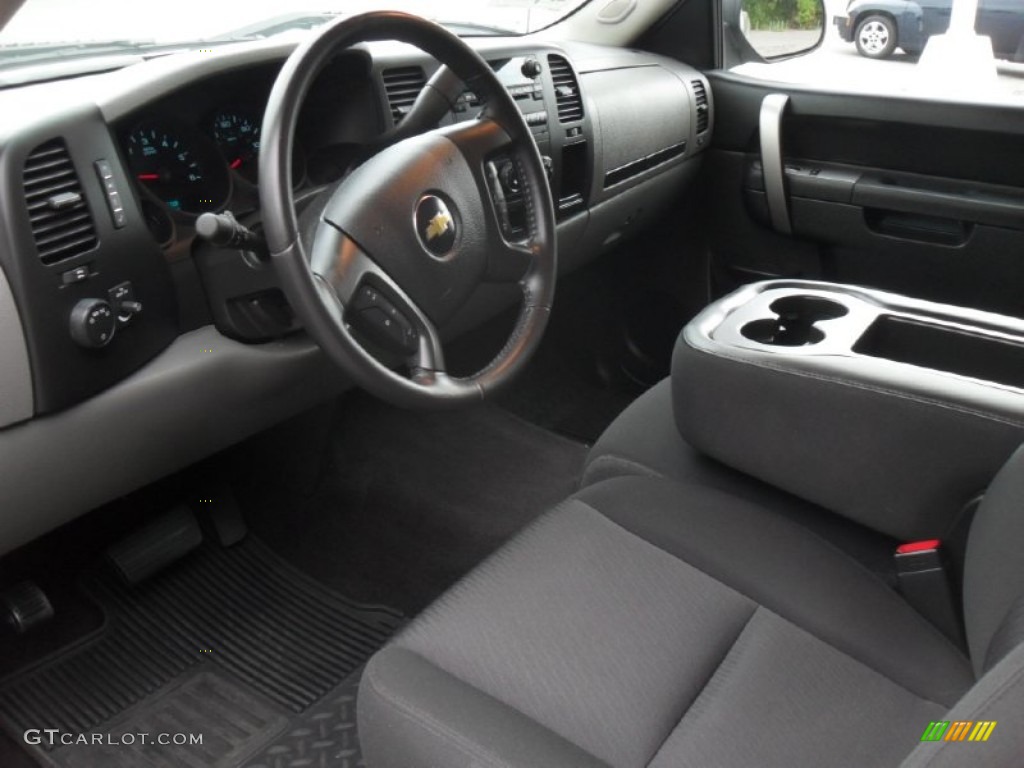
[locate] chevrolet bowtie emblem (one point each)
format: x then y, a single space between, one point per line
438 225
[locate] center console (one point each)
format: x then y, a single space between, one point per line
892 411
547 91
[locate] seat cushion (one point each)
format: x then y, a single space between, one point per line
644 441
645 621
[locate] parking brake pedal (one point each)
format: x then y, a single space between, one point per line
24 606
151 549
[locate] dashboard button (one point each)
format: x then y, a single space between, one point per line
76 275
106 175
122 299
121 292
531 68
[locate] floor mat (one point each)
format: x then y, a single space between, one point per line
561 394
393 506
566 387
325 735
233 644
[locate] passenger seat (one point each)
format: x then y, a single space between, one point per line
658 621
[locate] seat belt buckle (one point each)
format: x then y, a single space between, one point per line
923 580
918 556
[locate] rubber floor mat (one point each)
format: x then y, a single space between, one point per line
232 644
325 735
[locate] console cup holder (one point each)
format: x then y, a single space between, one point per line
794 325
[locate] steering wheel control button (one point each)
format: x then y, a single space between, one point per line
383 323
435 225
106 175
92 323
509 178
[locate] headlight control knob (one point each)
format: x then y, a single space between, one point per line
93 323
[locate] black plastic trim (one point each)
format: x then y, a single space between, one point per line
63 373
635 168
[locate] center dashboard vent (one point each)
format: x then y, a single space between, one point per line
567 90
402 85
700 95
62 226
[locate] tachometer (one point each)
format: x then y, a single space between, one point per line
238 136
178 165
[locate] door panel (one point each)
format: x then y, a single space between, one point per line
921 198
935 16
1003 21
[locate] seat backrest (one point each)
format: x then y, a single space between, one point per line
994 569
994 619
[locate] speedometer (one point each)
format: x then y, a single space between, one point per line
177 165
237 133
238 136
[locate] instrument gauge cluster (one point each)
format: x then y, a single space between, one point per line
191 169
179 165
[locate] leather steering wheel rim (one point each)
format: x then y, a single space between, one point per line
327 280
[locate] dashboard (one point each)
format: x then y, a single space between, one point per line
129 347
197 150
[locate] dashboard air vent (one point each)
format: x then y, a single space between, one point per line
61 223
402 85
567 90
700 93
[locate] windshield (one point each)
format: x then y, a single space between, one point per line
39 22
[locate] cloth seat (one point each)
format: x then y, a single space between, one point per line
675 613
650 622
644 441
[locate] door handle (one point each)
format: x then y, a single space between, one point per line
773 107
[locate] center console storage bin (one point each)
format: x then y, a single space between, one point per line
891 411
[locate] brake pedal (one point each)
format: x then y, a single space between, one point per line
24 606
151 549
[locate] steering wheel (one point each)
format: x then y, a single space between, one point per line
404 240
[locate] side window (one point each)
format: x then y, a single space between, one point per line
946 49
